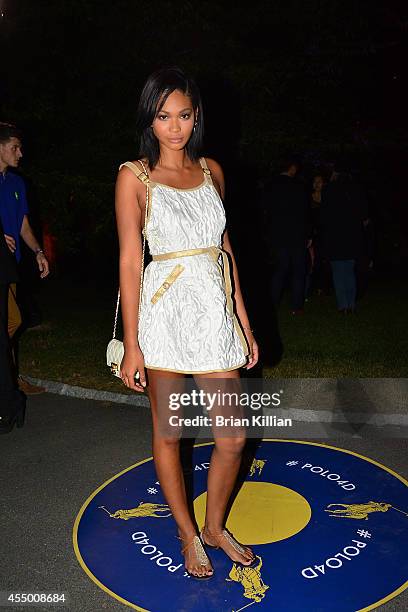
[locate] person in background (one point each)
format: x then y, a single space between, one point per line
287 223
321 274
13 215
343 216
12 401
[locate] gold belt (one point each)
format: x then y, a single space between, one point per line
215 253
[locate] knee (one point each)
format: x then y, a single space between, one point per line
168 442
231 446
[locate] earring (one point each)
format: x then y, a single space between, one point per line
194 128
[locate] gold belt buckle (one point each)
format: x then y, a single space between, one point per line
177 270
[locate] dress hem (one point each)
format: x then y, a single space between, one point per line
236 367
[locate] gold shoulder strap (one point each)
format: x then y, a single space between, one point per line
206 170
142 175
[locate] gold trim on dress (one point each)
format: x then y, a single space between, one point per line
205 182
236 367
169 280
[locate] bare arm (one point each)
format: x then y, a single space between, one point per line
31 241
219 183
239 300
129 194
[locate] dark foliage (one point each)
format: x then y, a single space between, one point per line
320 79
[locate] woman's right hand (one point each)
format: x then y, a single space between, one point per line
132 362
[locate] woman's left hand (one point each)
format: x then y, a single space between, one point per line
253 350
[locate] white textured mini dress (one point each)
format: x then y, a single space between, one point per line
187 323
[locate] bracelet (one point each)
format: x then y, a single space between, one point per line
38 251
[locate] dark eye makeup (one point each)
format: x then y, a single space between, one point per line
184 115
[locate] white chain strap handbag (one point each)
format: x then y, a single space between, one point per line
115 349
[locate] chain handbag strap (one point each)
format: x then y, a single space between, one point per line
143 257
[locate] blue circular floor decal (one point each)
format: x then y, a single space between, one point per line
329 528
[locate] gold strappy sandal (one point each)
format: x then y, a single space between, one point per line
201 556
231 540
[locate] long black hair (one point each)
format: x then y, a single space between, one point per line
156 90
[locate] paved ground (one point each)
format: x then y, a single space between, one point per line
68 447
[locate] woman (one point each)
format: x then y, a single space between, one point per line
186 324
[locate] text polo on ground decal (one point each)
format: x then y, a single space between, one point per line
329 529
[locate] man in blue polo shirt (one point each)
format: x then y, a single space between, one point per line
13 215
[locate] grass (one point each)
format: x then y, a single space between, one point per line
70 347
324 344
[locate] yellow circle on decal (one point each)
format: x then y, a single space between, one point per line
262 512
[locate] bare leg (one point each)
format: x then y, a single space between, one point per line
224 466
166 455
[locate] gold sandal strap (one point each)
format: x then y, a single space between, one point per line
235 545
198 549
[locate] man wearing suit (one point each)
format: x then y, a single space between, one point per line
12 402
287 222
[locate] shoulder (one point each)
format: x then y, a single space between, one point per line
15 180
217 175
131 167
215 167
129 186
128 174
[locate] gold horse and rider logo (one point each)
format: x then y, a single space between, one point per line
143 509
251 580
257 464
360 511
